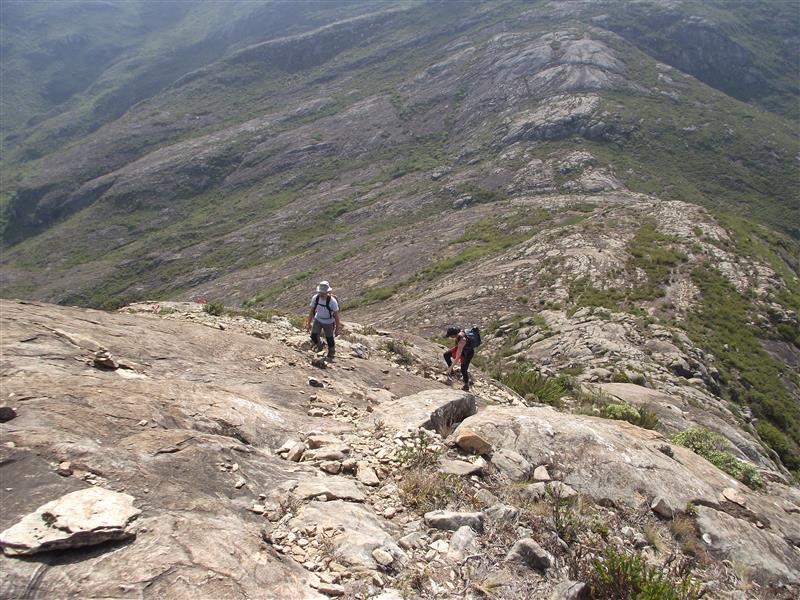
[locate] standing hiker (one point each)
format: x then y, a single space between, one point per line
462 352
324 315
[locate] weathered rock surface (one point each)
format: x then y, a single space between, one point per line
613 461
527 552
83 518
433 409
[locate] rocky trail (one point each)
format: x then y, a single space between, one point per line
162 452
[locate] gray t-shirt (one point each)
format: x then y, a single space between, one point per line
325 308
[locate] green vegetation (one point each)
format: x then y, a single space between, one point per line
623 576
749 375
652 253
534 387
714 448
625 412
214 308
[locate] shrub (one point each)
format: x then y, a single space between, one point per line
621 576
419 452
714 448
620 377
215 308
401 352
535 387
622 412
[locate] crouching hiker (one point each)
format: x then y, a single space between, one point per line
462 352
324 316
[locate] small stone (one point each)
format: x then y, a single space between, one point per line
316 412
333 467
540 474
296 453
239 483
382 557
7 413
733 495
469 441
64 468
441 546
571 590
314 382
662 508
367 475
330 589
526 551
142 423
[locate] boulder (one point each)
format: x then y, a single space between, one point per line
463 542
461 467
433 409
571 590
470 441
527 552
451 521
512 464
82 518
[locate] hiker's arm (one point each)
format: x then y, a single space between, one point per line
338 324
459 349
309 319
457 357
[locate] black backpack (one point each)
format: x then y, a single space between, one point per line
473 336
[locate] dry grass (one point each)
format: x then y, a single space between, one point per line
426 491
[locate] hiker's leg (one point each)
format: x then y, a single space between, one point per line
329 337
448 357
316 327
468 354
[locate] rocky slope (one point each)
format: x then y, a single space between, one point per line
255 474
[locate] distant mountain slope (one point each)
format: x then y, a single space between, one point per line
428 157
69 67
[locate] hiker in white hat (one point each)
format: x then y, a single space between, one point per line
324 316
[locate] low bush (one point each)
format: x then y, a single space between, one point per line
714 448
402 354
214 308
621 576
535 387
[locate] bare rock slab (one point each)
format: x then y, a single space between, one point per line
83 518
330 488
433 409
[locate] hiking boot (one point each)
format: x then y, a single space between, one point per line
465 387
331 355
319 347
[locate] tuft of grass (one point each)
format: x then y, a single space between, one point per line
425 491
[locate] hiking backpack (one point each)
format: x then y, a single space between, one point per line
473 336
326 305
